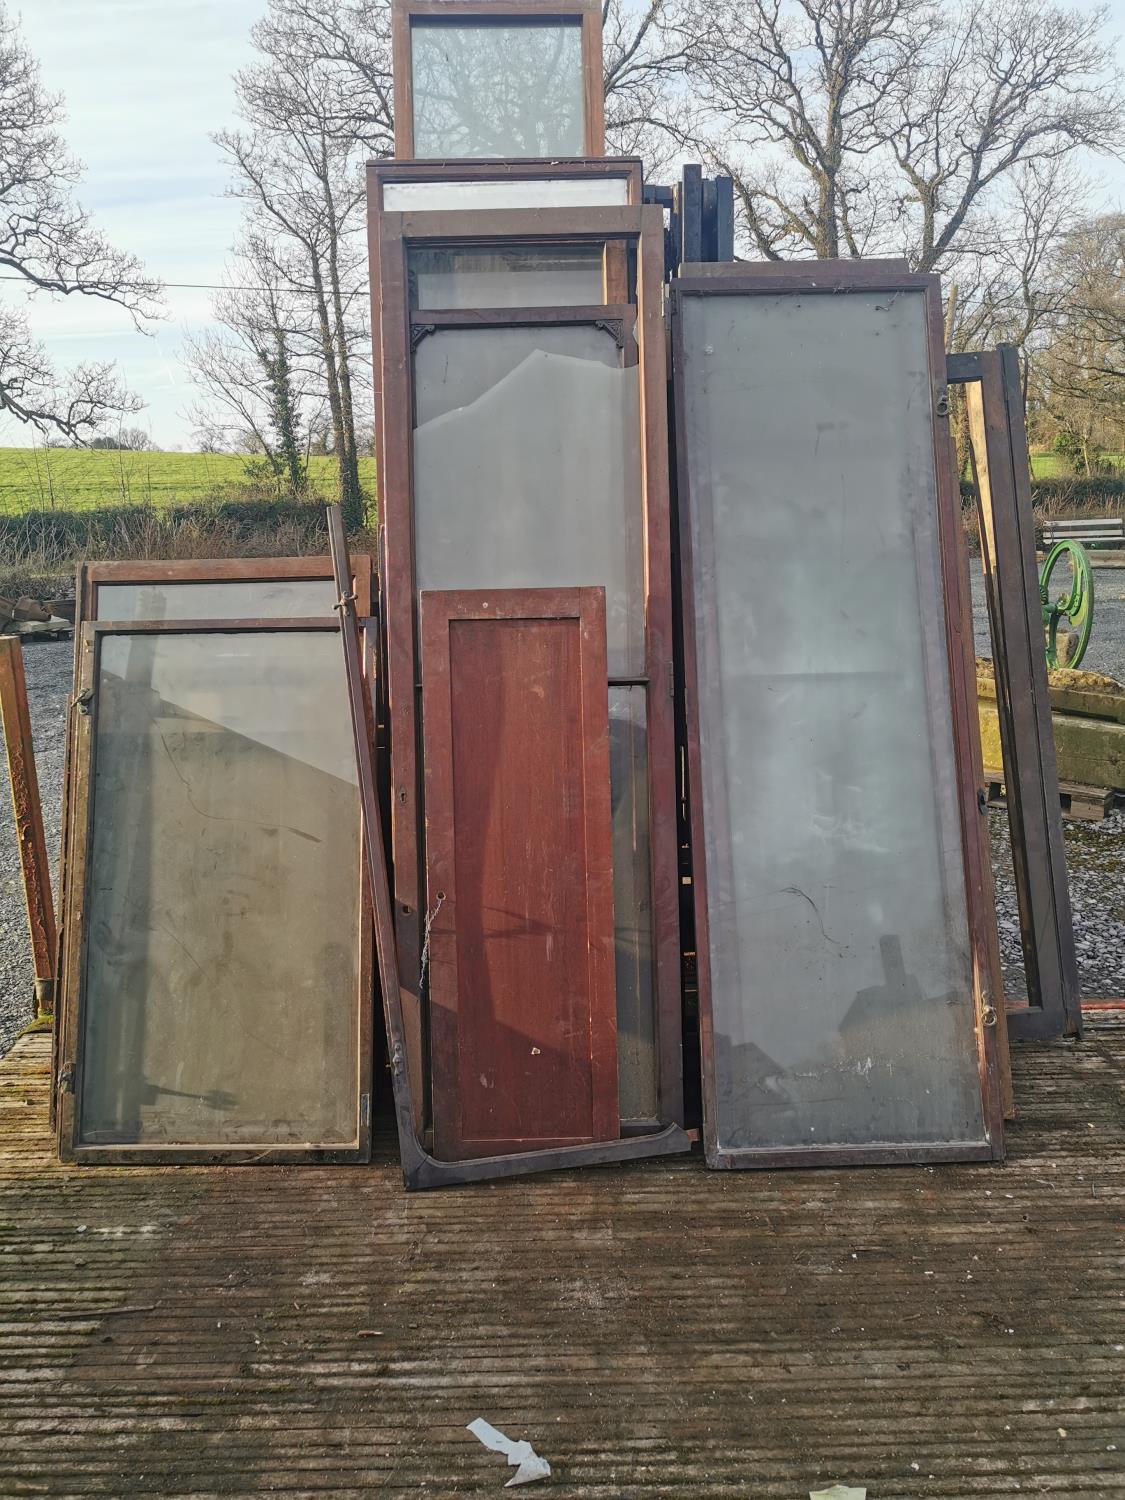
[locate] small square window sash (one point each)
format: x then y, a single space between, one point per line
508 80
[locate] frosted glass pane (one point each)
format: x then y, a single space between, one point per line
228 599
632 901
223 909
481 89
510 192
520 276
839 949
527 469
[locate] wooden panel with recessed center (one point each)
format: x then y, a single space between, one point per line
519 870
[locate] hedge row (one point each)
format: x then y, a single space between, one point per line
112 529
1062 495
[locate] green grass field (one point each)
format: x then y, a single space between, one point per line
82 479
1051 466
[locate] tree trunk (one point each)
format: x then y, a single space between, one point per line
352 496
345 495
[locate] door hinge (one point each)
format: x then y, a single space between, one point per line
365 1109
66 1079
83 700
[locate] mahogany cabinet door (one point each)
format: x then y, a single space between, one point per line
519 870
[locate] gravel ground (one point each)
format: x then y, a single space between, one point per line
1095 851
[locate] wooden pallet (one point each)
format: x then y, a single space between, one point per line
1088 802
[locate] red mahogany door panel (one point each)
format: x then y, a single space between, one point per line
519 870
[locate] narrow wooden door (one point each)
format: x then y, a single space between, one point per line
519 870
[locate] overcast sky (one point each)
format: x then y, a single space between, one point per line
147 82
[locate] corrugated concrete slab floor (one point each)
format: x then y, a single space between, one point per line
658 1329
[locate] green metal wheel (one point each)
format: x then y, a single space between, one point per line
1075 605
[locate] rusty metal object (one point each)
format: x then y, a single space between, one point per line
34 862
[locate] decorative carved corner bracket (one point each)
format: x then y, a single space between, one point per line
615 327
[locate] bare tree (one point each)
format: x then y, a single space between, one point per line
996 86
792 88
1079 376
861 126
49 242
347 44
316 99
125 440
253 369
649 106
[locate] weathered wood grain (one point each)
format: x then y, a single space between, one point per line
652 1329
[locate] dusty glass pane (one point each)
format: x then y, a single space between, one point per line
516 276
839 949
482 89
527 469
509 192
632 902
230 599
223 908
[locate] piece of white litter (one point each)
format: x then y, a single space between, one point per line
839 1492
520 1455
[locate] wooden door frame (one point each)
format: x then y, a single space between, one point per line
998 442
643 228
586 13
74 937
831 279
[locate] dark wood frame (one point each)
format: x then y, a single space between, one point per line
419 1168
643 227
615 268
439 610
212 570
832 278
88 577
998 443
489 169
587 13
70 1046
27 810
